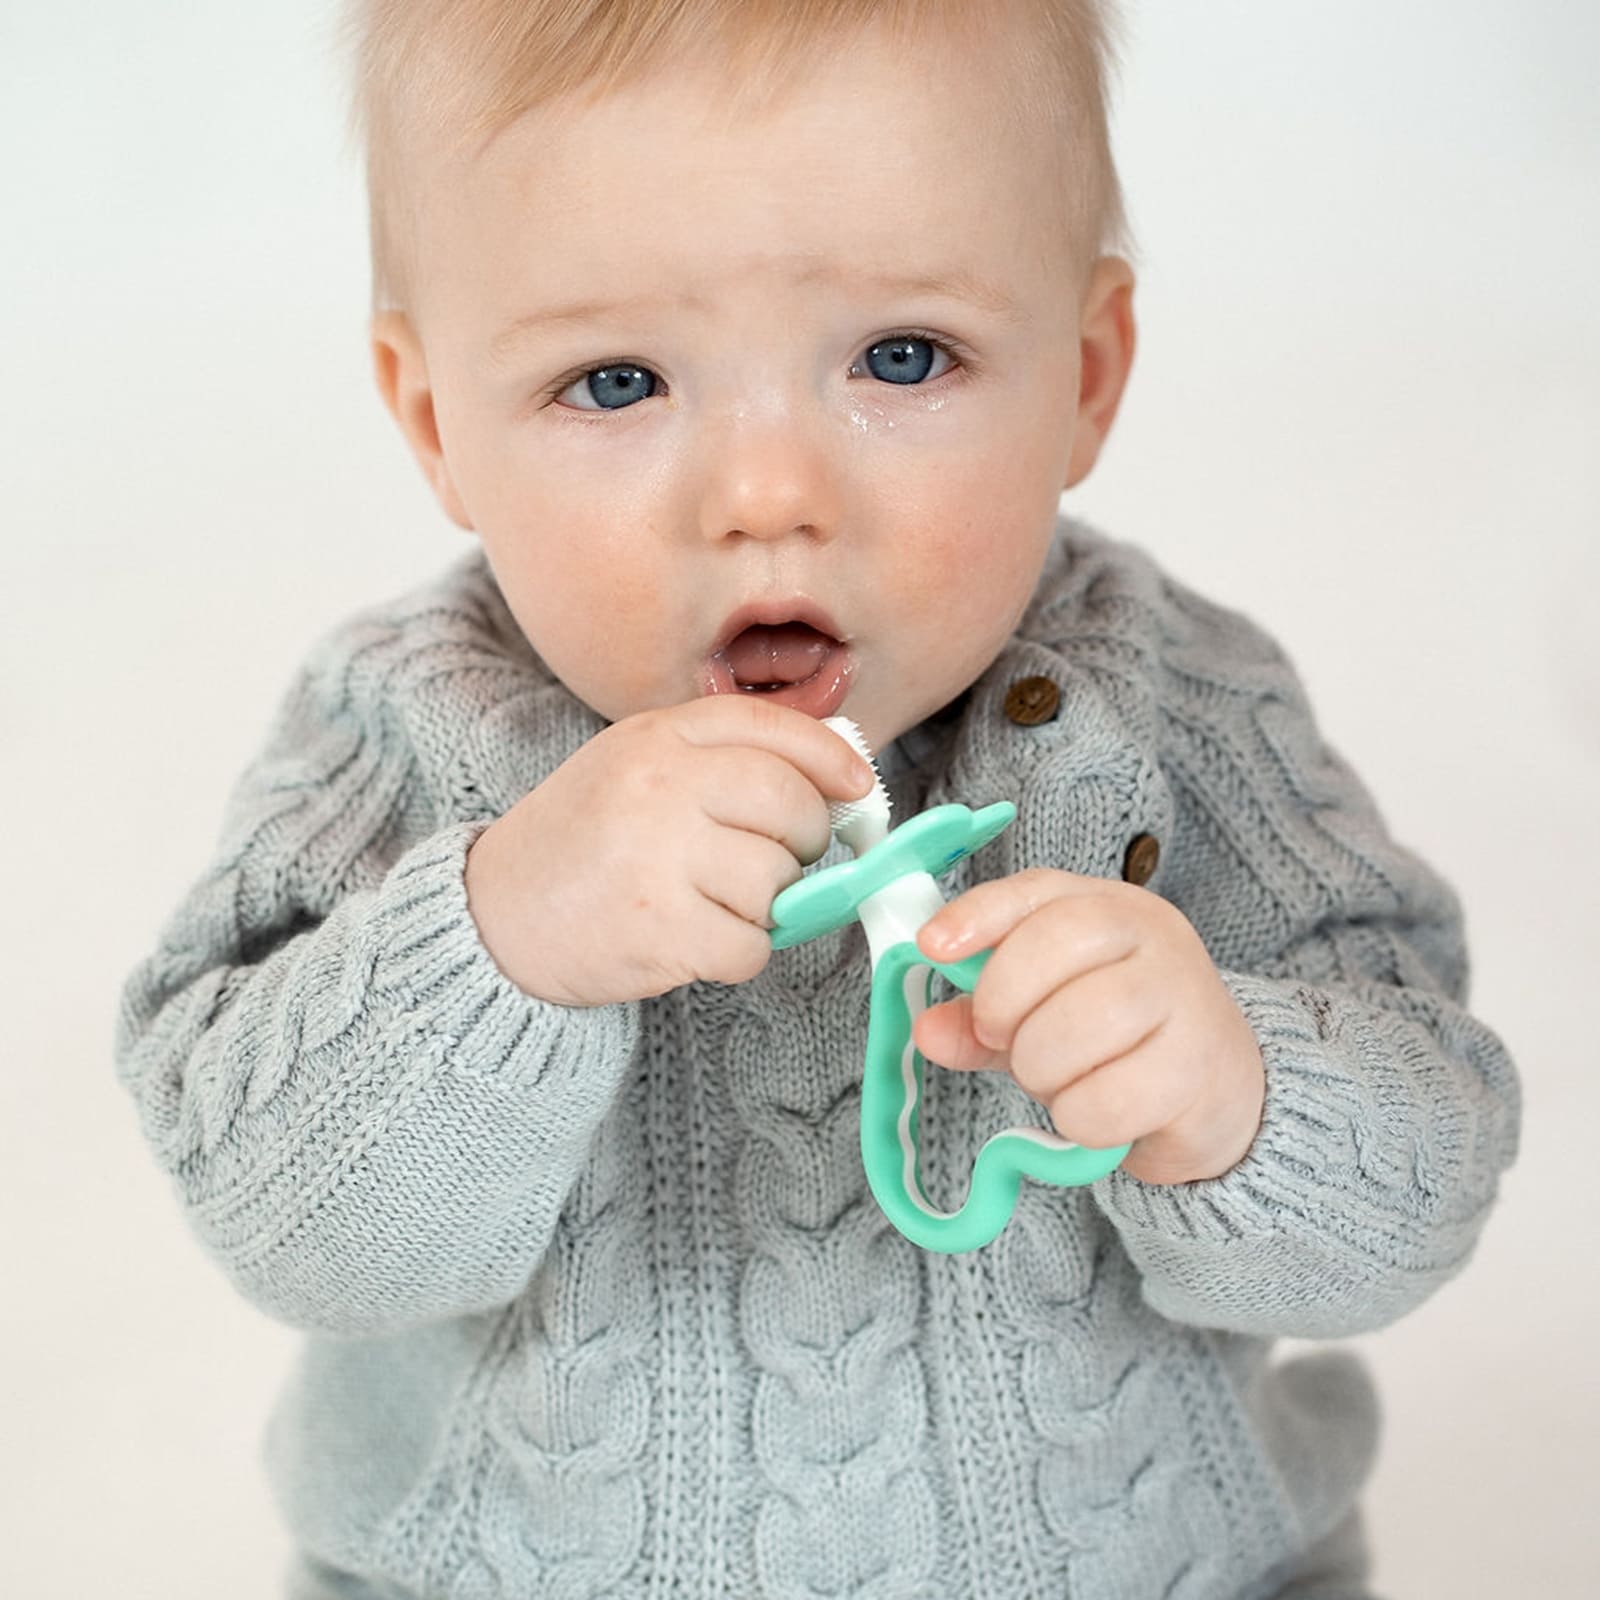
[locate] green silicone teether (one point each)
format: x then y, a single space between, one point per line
891 887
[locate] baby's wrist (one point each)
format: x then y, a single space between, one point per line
483 877
1213 1136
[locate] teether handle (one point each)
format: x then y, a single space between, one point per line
891 1093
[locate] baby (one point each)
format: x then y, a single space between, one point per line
755 344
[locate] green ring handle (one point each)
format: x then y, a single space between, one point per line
891 1094
904 867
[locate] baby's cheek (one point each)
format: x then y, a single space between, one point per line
612 628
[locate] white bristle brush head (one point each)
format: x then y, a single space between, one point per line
859 823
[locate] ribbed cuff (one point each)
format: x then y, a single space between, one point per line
1302 1169
437 979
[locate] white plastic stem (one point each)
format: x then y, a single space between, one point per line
895 913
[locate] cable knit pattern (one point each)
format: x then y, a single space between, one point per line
596 1300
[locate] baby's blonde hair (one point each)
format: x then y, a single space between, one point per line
461 70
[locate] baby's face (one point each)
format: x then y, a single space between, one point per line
760 404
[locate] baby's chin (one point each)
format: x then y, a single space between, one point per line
884 723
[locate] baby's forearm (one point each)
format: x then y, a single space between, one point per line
1389 1116
362 1126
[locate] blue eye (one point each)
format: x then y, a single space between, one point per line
622 383
904 360
901 359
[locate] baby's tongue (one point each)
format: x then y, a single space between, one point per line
787 653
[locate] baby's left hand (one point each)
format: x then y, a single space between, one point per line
1102 1003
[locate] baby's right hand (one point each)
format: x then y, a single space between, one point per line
650 858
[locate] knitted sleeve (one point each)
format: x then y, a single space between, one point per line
1390 1112
367 1124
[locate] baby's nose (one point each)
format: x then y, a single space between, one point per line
771 478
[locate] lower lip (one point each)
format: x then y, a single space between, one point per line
818 696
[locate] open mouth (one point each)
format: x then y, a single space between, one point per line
764 658
791 663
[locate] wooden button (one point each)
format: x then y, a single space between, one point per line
1030 701
1139 864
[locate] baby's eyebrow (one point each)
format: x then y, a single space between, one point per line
953 284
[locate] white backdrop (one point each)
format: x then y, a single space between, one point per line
1364 410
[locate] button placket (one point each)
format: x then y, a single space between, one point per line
1072 744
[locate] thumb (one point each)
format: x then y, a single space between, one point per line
944 1035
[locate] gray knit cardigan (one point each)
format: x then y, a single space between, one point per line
596 1301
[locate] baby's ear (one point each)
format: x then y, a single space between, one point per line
401 372
1106 342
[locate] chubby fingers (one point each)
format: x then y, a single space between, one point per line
1046 928
943 1033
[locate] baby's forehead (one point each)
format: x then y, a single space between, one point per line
737 82
437 86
